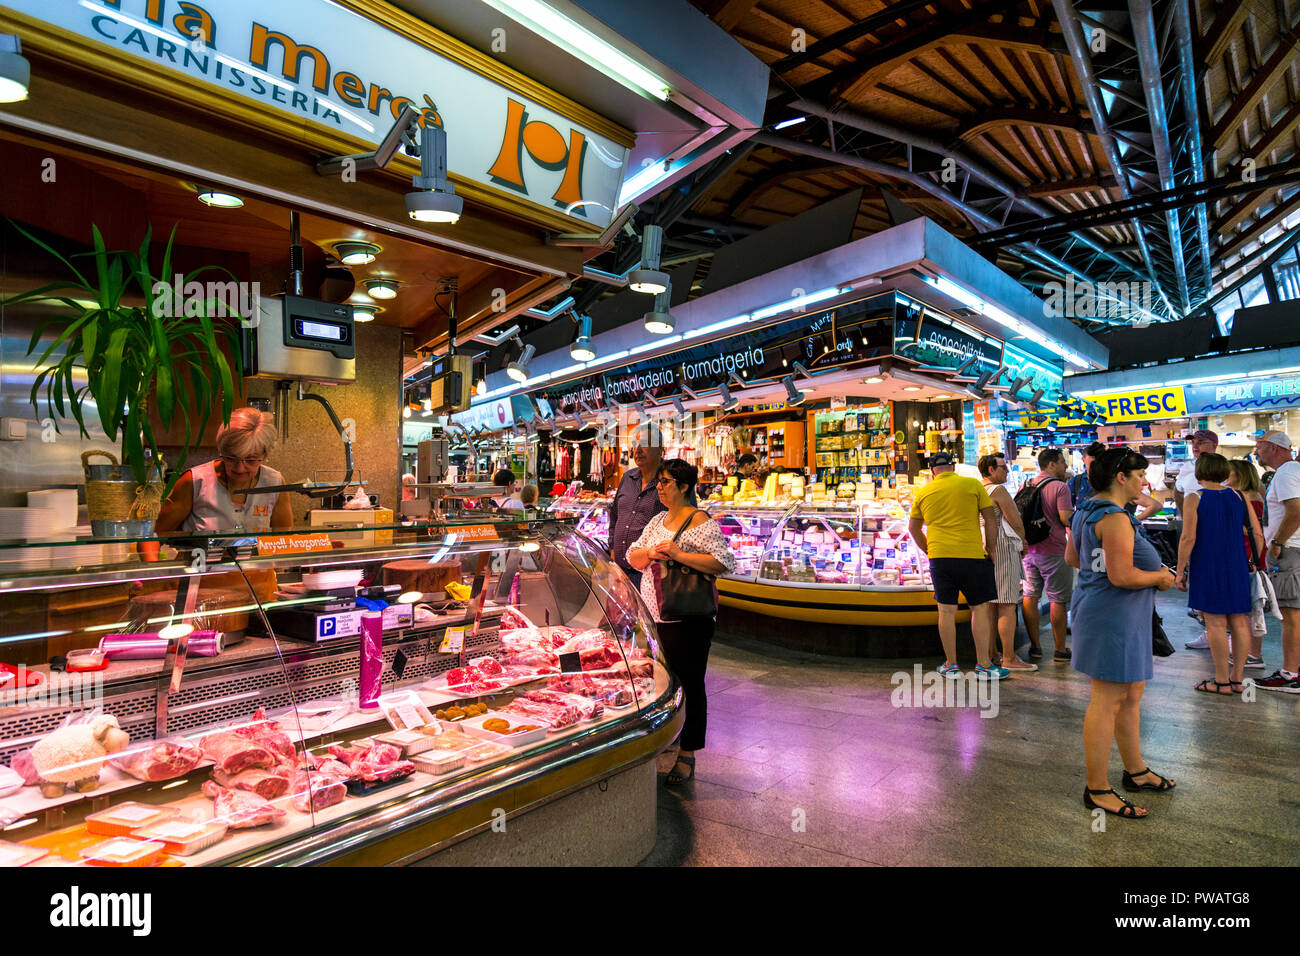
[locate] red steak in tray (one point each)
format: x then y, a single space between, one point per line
267 784
232 753
240 809
159 759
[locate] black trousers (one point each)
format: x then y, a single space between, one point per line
686 648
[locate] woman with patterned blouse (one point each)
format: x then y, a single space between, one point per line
686 642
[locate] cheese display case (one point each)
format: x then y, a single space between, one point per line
851 563
279 700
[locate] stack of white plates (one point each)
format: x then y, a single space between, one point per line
27 524
62 501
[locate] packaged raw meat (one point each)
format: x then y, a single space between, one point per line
266 732
123 851
487 666
267 784
16 854
601 657
408 742
126 818
239 809
512 617
313 790
183 836
381 763
23 765
587 708
159 759
232 753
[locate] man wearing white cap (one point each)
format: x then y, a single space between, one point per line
1283 534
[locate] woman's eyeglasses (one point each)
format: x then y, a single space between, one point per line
246 462
665 481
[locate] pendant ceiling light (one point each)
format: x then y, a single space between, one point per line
659 321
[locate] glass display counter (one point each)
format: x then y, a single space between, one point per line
279 699
590 516
853 565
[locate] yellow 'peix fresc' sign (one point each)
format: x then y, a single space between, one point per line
1140 405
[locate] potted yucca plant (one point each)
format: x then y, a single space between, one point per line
133 357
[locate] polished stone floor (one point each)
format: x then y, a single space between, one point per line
808 763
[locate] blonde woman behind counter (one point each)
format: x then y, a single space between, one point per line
208 497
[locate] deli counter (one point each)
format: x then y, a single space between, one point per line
281 700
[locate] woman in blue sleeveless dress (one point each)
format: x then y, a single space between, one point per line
1214 571
1111 610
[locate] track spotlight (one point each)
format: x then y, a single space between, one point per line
518 369
793 395
1033 399
582 350
435 198
648 278
983 379
737 380
798 367
728 401
681 409
965 365
659 321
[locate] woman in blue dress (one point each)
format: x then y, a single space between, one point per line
1214 571
1119 573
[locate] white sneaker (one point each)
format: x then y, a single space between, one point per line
1201 643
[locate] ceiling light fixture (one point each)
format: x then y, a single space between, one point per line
728 400
365 313
659 321
15 70
1033 399
518 369
215 197
786 124
691 392
356 253
872 380
966 364
681 409
581 43
434 199
792 395
381 288
799 367
582 350
648 279
911 388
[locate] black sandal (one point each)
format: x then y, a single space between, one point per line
675 778
1238 686
1133 787
1129 810
1204 687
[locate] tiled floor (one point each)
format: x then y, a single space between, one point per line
809 764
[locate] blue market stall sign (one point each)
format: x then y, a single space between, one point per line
1243 395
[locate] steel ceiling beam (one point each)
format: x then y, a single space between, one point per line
1072 29
1144 32
1192 123
974 167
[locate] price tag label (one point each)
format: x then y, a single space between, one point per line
571 663
453 641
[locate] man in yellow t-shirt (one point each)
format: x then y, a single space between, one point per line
946 526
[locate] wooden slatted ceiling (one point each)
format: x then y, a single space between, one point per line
1249 63
1001 87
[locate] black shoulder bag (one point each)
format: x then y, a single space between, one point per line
686 591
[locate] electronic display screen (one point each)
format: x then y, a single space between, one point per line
320 330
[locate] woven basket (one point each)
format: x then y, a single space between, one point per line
112 494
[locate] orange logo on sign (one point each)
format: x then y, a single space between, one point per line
546 147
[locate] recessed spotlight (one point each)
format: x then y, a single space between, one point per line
214 197
356 253
942 396
381 288
911 388
872 380
365 313
15 70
